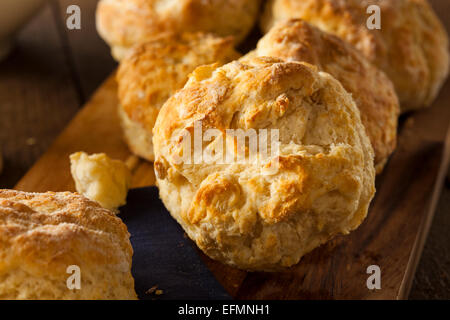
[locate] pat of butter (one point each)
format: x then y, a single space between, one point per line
101 178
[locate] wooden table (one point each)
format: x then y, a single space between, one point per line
54 71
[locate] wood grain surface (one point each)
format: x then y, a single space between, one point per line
42 86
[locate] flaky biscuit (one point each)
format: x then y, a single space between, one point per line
42 234
153 72
124 23
411 47
373 92
100 178
238 213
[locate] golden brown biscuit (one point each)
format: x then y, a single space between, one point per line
411 47
153 72
236 211
100 178
124 23
43 234
373 92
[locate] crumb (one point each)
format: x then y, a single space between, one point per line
154 290
151 290
101 179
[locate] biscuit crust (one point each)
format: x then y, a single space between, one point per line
125 23
411 47
153 72
41 234
373 92
234 212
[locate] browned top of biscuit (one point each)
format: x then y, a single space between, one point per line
373 92
41 234
235 212
411 47
127 22
156 69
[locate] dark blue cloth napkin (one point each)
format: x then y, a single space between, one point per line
163 255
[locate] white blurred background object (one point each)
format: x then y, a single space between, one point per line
13 15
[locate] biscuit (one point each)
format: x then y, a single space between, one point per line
124 23
373 92
43 234
263 215
411 47
153 72
100 178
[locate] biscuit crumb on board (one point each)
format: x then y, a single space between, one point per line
154 290
151 290
101 179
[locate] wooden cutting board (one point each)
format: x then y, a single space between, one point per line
392 236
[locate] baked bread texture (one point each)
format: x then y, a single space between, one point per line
153 72
125 23
411 47
100 178
263 214
42 234
373 92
